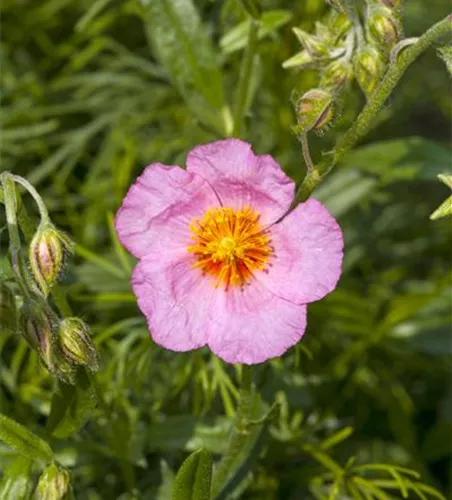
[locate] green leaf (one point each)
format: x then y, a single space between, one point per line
237 37
194 478
17 481
253 7
445 53
24 441
72 405
444 210
166 486
182 46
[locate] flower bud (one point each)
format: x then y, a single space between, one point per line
38 330
46 254
338 23
316 46
53 484
75 343
383 27
336 75
369 68
8 310
314 110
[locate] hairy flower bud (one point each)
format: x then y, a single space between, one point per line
369 68
314 110
8 310
38 329
315 46
339 23
383 26
336 75
53 484
75 343
46 254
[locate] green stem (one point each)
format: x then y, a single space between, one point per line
41 206
363 123
306 153
239 433
10 201
242 97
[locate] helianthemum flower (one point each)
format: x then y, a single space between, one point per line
219 266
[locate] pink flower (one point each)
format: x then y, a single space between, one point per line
219 266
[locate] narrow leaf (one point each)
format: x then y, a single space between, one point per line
194 478
24 441
182 46
72 405
17 481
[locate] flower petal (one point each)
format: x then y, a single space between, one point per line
157 210
308 249
241 178
175 299
251 325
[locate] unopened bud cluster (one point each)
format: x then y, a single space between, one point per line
63 344
342 51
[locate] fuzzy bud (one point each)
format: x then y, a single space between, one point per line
337 4
369 68
75 343
383 27
336 75
38 329
46 253
314 110
8 310
338 23
314 45
53 484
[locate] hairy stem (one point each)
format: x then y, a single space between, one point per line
240 431
363 123
10 201
41 206
242 97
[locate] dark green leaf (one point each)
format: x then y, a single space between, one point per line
24 441
72 405
180 41
194 478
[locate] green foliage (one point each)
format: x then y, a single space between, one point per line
87 102
193 480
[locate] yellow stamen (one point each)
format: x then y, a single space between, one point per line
229 245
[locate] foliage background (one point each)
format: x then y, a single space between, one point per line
85 106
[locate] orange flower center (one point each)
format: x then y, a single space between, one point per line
229 245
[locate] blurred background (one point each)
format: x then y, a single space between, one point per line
86 105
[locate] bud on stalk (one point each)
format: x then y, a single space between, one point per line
369 68
383 26
314 110
38 330
53 484
336 75
75 343
46 253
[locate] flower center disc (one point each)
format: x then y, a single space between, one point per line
229 245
